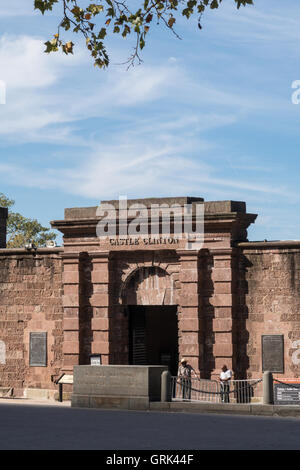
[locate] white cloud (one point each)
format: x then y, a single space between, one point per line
142 168
24 65
40 89
270 23
21 64
162 149
48 95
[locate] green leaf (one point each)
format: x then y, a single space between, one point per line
102 33
214 4
142 42
44 5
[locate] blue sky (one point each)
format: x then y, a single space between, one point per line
210 115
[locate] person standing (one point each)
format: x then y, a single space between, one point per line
185 371
225 377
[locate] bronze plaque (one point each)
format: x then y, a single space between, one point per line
38 349
272 353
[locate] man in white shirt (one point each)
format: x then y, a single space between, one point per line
225 377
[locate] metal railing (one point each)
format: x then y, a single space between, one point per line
246 391
293 382
195 389
204 390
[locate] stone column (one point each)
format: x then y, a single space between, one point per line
223 303
188 309
71 304
100 305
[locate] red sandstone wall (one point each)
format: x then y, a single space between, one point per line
30 301
264 299
269 294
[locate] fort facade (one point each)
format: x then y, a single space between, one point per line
149 299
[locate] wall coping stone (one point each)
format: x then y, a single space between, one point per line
269 244
23 251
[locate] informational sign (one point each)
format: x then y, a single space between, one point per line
273 353
38 349
287 393
95 359
65 379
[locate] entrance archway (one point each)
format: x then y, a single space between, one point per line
152 318
153 336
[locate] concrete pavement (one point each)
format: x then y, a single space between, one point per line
255 409
30 401
53 426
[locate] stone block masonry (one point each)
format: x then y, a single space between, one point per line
269 303
144 304
30 301
126 387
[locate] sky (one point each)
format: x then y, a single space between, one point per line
208 115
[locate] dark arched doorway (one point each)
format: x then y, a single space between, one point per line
153 323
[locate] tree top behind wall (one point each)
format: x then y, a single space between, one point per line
21 230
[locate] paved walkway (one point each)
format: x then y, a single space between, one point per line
46 425
30 401
254 409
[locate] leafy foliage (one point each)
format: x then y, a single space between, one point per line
95 21
21 230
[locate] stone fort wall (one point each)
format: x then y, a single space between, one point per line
31 292
30 301
253 291
269 303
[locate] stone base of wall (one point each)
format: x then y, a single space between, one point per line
40 394
109 402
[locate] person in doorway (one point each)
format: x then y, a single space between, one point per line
225 377
184 375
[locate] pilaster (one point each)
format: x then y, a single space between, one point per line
100 304
188 310
222 301
71 305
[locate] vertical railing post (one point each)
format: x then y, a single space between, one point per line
60 392
268 396
166 389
